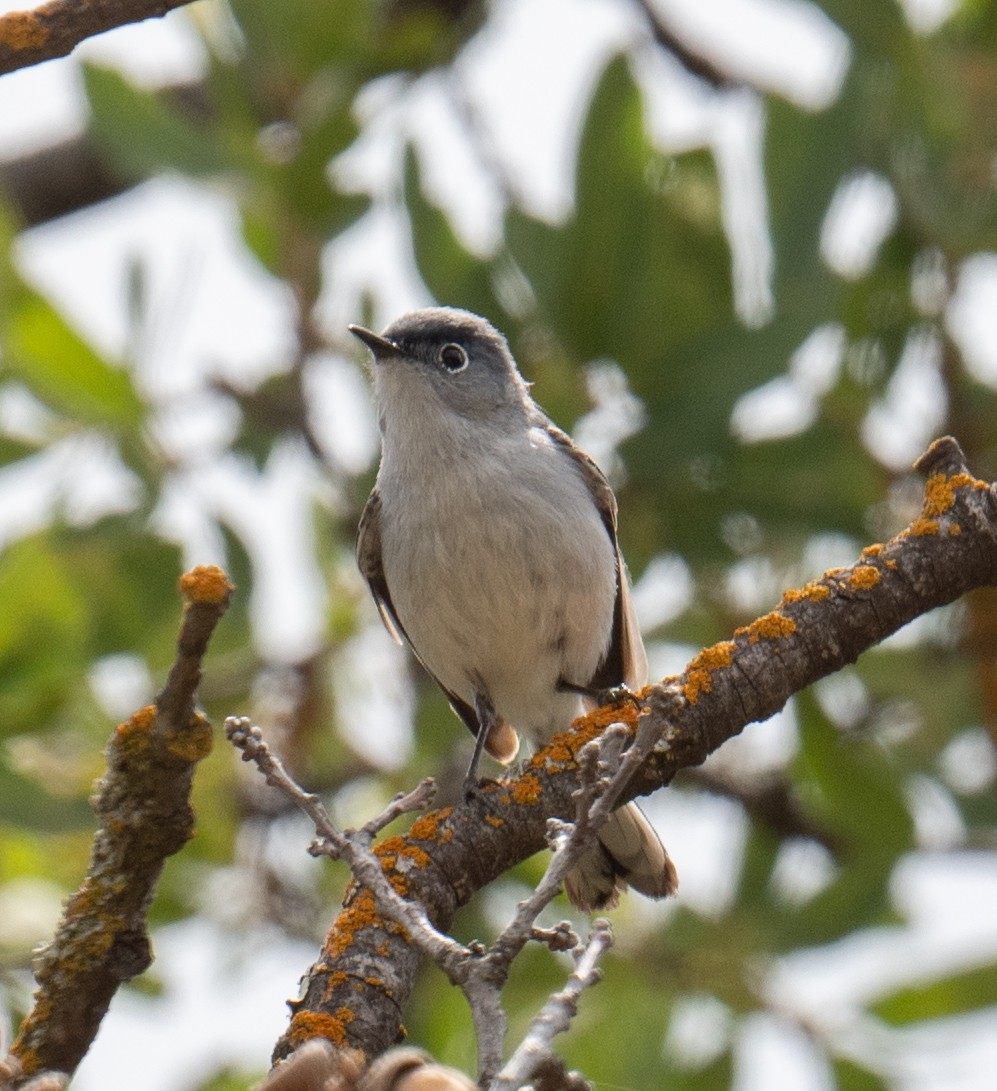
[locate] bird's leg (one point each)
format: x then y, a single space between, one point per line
485 712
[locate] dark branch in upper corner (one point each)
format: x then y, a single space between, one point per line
355 994
691 59
143 802
55 29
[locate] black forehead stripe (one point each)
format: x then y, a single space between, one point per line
440 332
437 329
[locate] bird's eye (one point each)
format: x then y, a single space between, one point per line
453 357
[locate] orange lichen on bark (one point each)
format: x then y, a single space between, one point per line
939 496
699 673
29 1056
399 884
133 735
396 856
427 828
863 578
193 742
313 1024
560 751
939 492
206 583
596 721
414 854
22 30
563 748
814 591
698 682
361 913
527 790
494 821
393 849
772 626
140 721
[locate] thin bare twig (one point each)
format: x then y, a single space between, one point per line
418 799
555 1016
350 846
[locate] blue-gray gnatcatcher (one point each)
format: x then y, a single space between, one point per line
489 544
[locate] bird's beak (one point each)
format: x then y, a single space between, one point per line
378 345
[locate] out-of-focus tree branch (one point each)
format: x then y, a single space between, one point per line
55 29
73 174
143 801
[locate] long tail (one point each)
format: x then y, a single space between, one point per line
629 852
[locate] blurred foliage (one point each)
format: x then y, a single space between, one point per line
638 272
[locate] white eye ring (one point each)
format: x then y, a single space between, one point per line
453 357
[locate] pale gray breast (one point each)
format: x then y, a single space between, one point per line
498 565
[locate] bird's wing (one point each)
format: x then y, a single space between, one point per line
371 564
502 742
625 660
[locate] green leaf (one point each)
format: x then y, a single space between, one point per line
63 370
286 43
26 804
774 481
12 450
43 630
856 785
226 1079
39 346
855 788
963 992
849 1076
455 276
718 1073
605 280
143 134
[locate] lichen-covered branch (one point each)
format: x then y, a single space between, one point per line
949 550
143 803
481 975
356 992
55 29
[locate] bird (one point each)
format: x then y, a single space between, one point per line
489 544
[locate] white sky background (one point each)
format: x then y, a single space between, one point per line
218 311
